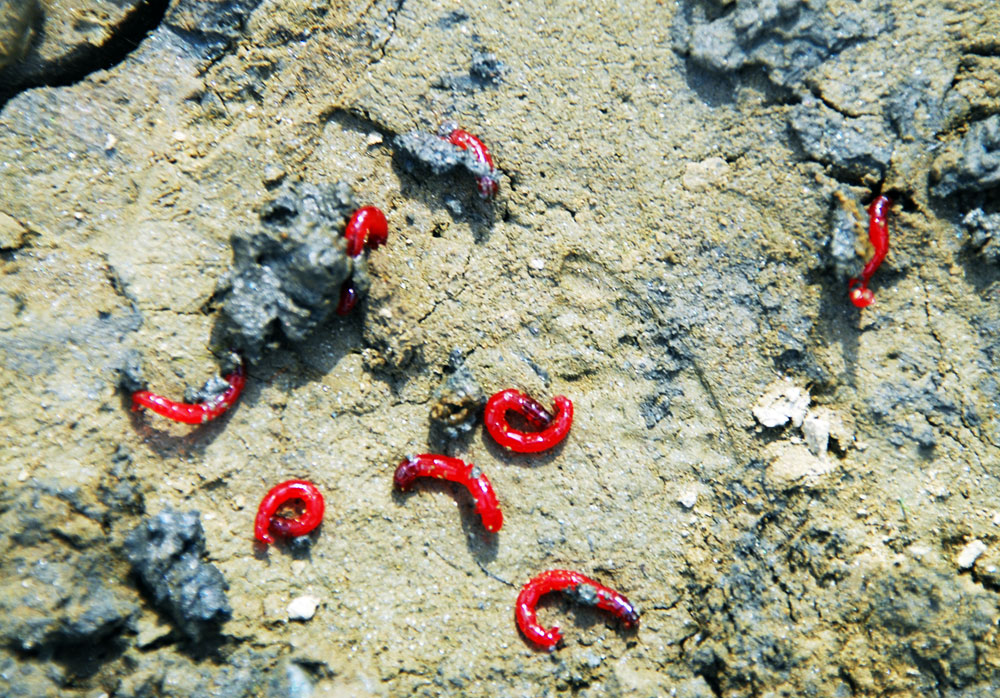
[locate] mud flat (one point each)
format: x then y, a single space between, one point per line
800 497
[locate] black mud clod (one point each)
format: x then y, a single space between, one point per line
287 273
167 553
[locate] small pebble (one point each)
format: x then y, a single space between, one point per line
816 429
783 402
970 553
688 499
302 608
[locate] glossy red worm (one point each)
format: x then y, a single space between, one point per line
878 233
455 470
486 184
553 428
348 298
583 589
198 413
367 228
267 521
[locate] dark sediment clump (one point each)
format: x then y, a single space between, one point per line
287 274
457 403
486 70
166 553
420 149
62 611
971 164
246 673
787 38
62 603
855 147
210 25
984 233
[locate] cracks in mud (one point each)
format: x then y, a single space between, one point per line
87 58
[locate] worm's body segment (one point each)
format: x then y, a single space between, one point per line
553 427
486 184
583 589
267 521
367 228
878 233
197 413
348 298
454 470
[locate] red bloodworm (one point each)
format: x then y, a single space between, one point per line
487 184
367 228
583 589
348 298
878 233
288 491
455 470
553 428
198 413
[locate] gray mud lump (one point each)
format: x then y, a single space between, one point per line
971 164
287 273
437 154
166 552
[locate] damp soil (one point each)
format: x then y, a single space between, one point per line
800 497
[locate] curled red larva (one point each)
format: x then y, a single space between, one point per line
267 519
582 588
487 184
553 428
367 228
197 413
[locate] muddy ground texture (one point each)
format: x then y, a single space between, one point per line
800 497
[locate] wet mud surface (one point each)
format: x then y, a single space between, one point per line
799 496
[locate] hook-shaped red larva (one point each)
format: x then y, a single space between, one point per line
454 470
366 228
487 184
583 589
553 428
878 233
197 413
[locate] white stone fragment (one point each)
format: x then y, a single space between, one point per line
783 402
970 553
816 429
302 607
688 499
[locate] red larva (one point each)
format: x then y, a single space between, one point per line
583 589
878 233
553 427
454 470
367 228
486 184
301 490
197 413
348 298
